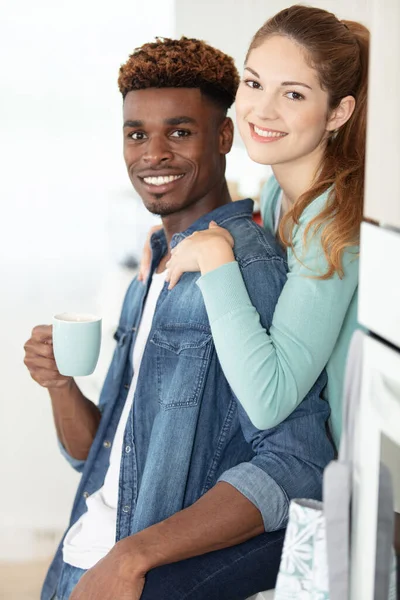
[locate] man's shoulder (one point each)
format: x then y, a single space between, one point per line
262 263
253 242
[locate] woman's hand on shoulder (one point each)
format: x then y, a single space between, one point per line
202 251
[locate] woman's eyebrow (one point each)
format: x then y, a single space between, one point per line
284 83
295 83
251 71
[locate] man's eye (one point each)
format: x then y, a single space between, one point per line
294 96
137 135
180 133
253 84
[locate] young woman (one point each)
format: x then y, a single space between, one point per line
301 108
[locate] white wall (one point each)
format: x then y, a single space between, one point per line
230 25
67 207
62 177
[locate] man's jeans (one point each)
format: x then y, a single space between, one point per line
231 574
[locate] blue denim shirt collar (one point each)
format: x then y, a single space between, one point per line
219 215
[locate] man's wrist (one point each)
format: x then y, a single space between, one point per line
212 256
134 557
63 394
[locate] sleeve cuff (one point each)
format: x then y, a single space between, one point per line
223 290
74 462
263 491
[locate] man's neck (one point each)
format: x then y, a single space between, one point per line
180 221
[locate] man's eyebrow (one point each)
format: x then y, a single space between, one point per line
180 121
172 121
133 124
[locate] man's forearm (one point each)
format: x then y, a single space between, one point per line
223 517
76 419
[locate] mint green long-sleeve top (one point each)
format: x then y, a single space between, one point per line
272 371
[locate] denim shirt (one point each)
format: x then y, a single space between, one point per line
186 430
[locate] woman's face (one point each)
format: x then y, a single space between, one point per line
282 112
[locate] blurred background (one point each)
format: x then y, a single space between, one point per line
72 228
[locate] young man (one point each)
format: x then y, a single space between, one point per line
180 497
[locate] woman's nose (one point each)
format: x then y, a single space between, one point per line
266 107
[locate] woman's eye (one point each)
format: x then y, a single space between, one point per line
253 84
180 133
294 96
137 135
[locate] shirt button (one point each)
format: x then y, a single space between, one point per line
126 386
86 494
126 509
107 444
127 449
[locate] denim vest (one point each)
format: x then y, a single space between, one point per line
186 429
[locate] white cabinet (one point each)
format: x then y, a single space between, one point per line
379 297
379 413
382 198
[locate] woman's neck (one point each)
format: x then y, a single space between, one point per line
296 177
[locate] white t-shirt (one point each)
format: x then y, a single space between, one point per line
93 535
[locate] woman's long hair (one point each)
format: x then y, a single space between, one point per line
338 51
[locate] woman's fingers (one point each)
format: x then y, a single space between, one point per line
217 230
174 277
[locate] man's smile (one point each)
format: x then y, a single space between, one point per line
162 182
161 179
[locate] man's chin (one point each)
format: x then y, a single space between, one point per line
159 205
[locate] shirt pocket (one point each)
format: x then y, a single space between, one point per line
182 357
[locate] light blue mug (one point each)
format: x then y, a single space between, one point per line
76 343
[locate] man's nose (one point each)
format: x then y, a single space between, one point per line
157 152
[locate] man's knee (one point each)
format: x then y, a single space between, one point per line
161 584
235 572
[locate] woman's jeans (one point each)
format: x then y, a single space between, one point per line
231 574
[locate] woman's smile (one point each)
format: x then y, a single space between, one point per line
263 135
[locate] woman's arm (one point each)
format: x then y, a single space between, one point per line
271 372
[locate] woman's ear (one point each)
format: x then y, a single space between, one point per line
341 114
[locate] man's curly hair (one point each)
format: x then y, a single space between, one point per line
184 63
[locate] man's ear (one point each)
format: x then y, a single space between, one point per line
341 114
226 135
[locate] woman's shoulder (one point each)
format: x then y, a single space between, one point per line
314 208
269 199
307 242
271 191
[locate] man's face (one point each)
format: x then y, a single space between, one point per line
175 141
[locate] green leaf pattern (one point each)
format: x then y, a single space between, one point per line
303 573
